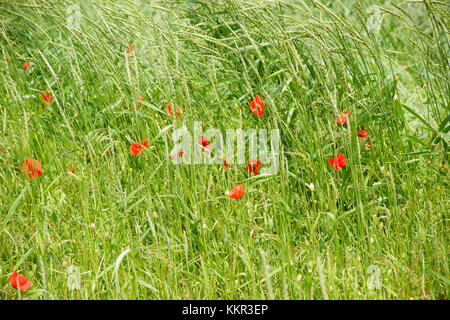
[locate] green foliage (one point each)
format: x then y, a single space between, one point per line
310 61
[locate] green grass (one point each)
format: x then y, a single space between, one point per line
310 61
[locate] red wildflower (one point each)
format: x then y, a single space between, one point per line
32 168
50 224
20 281
204 142
236 193
338 162
178 110
257 106
362 133
343 118
25 65
179 155
47 96
138 103
227 165
253 166
136 148
130 49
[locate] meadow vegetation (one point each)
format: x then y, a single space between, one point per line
141 227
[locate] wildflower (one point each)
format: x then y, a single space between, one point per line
25 65
343 118
204 142
130 49
47 96
236 193
257 106
179 111
32 168
19 281
178 155
338 162
227 165
253 166
362 133
136 148
138 103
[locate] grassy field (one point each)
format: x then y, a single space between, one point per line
101 223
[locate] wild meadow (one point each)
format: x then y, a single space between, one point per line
95 205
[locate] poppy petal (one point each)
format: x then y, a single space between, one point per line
341 160
23 283
332 161
32 168
236 193
227 165
257 106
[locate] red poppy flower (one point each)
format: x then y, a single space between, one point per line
179 155
179 111
362 133
143 143
136 148
204 142
32 168
138 103
47 97
343 118
50 224
338 162
25 65
130 49
20 280
257 106
227 165
253 166
236 193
